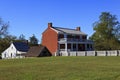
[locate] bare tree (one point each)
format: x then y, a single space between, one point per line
3 28
33 40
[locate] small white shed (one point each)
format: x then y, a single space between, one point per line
15 50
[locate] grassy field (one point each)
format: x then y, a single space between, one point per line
61 68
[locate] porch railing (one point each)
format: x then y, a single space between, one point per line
76 40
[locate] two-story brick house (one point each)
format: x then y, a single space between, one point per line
58 39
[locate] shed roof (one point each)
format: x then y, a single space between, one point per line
36 51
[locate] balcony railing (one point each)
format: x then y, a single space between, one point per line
74 40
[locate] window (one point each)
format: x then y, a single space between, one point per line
88 46
62 46
69 46
11 54
81 47
77 37
74 47
5 55
61 36
84 37
69 36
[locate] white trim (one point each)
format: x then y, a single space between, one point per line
54 30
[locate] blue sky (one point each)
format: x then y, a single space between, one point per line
32 16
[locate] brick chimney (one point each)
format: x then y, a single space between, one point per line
49 25
78 29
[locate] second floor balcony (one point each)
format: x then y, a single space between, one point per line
74 40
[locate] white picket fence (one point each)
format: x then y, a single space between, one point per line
90 53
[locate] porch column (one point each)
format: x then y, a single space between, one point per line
80 38
65 46
71 46
76 47
58 47
65 37
66 51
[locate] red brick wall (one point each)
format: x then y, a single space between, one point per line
50 40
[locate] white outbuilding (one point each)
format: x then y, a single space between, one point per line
15 50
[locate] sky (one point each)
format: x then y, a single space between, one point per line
30 17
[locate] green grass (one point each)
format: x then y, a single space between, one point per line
61 68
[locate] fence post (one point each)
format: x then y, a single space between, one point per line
106 53
68 53
95 53
85 53
117 53
76 53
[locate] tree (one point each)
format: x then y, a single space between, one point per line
5 42
33 40
3 45
3 28
107 32
22 37
3 33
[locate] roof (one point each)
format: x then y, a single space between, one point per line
36 51
68 31
21 46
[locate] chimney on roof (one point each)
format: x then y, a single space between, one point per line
78 29
49 25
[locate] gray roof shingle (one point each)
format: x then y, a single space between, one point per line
68 31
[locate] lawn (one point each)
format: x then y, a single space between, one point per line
61 68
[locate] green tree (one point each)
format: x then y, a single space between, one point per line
10 38
33 40
107 32
5 42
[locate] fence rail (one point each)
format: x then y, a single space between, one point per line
90 53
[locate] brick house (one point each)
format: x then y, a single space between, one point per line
58 39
